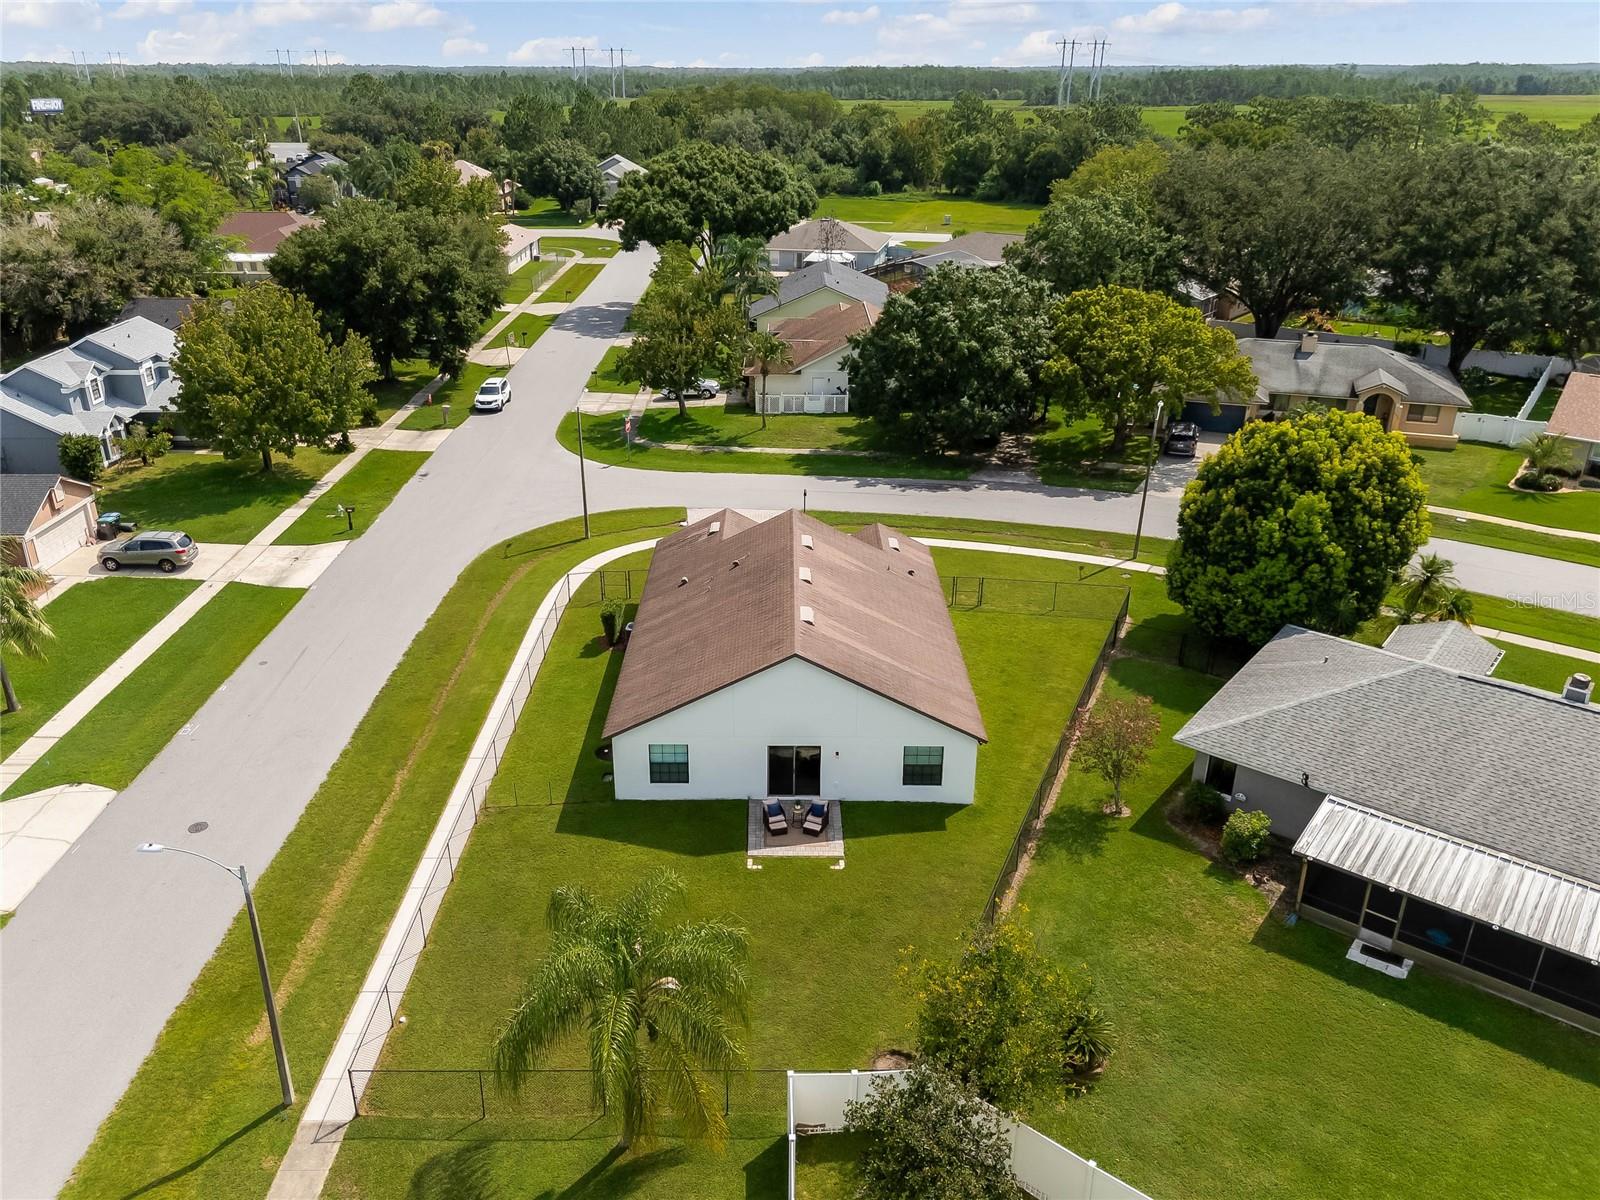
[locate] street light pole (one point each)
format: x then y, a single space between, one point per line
583 476
1155 430
239 873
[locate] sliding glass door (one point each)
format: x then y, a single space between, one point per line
794 770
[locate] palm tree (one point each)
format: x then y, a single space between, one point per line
23 629
1547 452
1424 586
1454 605
745 268
769 352
658 1006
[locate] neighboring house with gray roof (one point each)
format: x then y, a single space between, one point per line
613 169
96 385
1406 395
827 238
813 288
905 269
1440 814
49 516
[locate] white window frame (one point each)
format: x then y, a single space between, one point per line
147 374
94 390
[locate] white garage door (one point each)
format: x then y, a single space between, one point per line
54 542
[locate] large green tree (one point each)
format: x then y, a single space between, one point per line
958 361
928 1137
1118 351
1285 226
533 118
658 1007
697 193
24 631
412 282
683 329
1299 522
260 377
1083 242
564 168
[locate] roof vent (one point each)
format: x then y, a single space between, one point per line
716 527
1579 689
894 544
806 615
805 574
735 563
805 540
911 571
683 581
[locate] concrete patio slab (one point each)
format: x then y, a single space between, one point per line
55 818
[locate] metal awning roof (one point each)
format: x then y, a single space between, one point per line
1522 897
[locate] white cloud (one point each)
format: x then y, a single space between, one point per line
46 14
982 12
814 59
927 36
61 54
402 14
461 47
1043 46
546 51
1180 18
200 37
133 10
850 16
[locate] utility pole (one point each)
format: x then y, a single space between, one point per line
585 52
1069 58
583 476
1149 468
623 53
1099 75
611 53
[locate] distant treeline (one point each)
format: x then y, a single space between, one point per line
261 91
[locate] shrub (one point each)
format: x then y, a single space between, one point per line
872 188
1203 804
1476 379
369 412
582 210
1244 836
144 443
610 617
1086 1042
80 456
1550 481
928 1137
1407 344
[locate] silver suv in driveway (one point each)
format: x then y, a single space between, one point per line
155 548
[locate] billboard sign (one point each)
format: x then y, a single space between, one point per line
46 106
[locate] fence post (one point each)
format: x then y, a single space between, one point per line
355 1103
448 860
981 578
483 1107
727 1092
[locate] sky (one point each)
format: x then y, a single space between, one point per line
789 33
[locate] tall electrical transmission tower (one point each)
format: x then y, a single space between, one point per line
1069 58
80 65
618 57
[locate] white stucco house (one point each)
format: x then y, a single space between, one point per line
782 657
816 380
827 239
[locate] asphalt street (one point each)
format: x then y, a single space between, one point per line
111 940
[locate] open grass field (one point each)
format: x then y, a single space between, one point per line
1248 1051
1473 477
126 730
586 247
490 930
603 442
328 894
570 286
211 498
607 375
1542 669
94 623
1565 112
529 278
546 213
907 110
368 488
925 212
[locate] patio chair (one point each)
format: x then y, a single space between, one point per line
777 819
816 818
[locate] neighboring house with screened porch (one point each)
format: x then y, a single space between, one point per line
1439 815
784 658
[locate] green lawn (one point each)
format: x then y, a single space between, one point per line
411 375
1523 541
603 443
457 393
490 929
570 286
582 246
1474 476
1504 396
547 213
1565 112
607 377
925 212
1252 1059
134 723
1551 624
527 279
528 328
737 425
211 498
328 895
1164 119
368 487
94 623
1072 454
1540 668
907 110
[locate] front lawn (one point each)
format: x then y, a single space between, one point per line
741 426
94 623
1252 1059
1531 620
1473 477
527 279
603 442
546 213
367 487
582 246
1508 537
1073 453
1542 669
925 212
211 498
458 393
126 730
329 892
411 375
607 375
528 329
570 286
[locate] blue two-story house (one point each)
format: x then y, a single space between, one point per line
97 385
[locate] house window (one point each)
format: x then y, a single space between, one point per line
922 766
669 764
148 374
1219 774
93 389
1423 414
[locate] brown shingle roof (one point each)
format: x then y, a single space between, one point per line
1577 412
823 332
880 618
263 231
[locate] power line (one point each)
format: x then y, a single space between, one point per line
1064 83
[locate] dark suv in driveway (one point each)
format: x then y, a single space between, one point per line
1182 439
156 548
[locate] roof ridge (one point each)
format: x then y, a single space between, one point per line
1296 702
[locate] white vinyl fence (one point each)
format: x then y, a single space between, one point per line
803 402
1501 431
1045 1169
